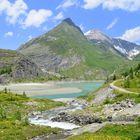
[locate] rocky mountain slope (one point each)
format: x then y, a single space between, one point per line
128 49
14 66
65 50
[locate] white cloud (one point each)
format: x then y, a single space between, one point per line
90 4
37 18
16 12
132 34
13 10
112 24
67 4
60 16
9 34
30 37
129 5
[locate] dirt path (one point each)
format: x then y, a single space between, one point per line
112 85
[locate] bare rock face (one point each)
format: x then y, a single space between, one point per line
25 69
79 120
14 66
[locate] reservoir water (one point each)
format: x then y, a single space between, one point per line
54 90
86 87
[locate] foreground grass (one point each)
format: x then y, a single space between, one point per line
14 123
112 132
16 130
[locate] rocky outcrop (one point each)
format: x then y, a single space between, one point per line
79 120
125 110
25 69
100 97
123 105
15 66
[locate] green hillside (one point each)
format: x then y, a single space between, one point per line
65 50
131 79
137 58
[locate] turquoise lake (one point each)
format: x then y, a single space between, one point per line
86 88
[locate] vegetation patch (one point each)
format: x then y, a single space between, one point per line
122 96
14 110
112 132
131 80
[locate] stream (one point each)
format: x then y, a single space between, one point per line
44 118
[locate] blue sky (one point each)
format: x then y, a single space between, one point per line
21 20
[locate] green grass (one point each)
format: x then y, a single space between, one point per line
134 84
122 96
8 55
16 130
14 109
112 132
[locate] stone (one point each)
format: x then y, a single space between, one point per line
79 120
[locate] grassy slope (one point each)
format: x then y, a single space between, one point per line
7 58
112 132
137 58
70 41
134 85
131 79
13 116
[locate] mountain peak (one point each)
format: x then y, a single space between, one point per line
96 34
68 21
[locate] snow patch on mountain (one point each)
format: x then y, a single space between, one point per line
122 50
128 49
133 53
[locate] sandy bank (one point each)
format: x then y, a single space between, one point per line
38 89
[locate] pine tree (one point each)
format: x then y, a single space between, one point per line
131 73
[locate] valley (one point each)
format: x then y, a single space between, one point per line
70 85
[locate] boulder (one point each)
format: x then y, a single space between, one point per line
79 120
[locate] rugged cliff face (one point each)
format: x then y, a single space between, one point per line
25 69
14 66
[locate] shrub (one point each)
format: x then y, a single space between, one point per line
18 115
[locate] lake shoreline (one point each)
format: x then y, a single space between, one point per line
71 89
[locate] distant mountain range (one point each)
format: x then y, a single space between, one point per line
128 49
67 52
